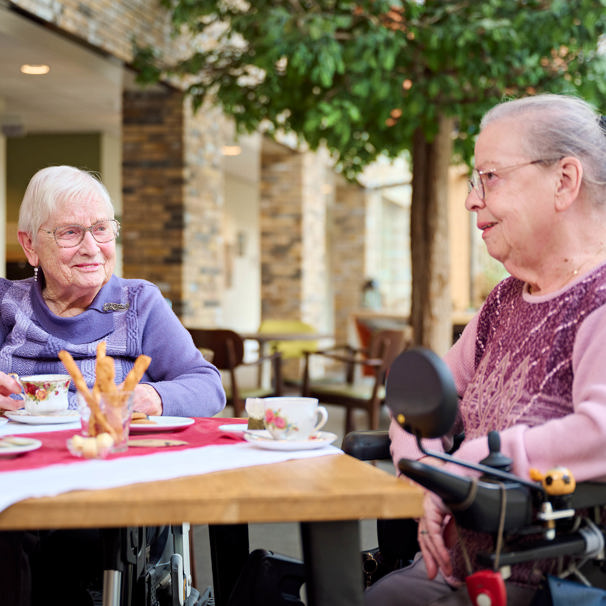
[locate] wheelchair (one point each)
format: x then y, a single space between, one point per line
547 516
534 519
149 567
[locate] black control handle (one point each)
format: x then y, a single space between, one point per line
475 503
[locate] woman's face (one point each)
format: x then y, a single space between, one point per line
80 271
517 214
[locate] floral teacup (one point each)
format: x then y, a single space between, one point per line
44 394
293 418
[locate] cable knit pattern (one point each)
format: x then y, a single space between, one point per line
133 318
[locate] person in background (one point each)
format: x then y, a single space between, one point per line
532 363
371 295
68 232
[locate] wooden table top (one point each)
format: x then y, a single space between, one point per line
325 488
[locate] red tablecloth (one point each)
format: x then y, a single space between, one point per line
204 432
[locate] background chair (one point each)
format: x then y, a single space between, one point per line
228 356
352 389
292 349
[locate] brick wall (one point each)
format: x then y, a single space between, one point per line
281 223
173 198
106 24
204 260
316 195
348 253
152 189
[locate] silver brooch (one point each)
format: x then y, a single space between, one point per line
115 306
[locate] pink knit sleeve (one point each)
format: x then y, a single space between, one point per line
460 359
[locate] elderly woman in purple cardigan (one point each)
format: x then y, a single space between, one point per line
532 363
68 232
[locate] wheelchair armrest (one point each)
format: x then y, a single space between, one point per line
367 445
475 503
589 494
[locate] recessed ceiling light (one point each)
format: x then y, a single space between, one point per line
231 150
35 70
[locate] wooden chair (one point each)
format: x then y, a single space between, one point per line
352 389
228 356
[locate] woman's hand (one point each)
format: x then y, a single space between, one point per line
8 385
147 400
432 530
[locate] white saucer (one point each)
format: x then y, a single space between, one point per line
161 423
262 438
14 445
234 427
63 416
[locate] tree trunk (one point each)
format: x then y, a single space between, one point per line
431 300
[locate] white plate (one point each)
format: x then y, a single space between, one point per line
161 424
65 416
234 427
3 420
263 439
17 445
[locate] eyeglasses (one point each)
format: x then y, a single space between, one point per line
477 182
68 236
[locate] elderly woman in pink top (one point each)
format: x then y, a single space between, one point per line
532 363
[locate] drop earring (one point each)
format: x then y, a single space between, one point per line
36 273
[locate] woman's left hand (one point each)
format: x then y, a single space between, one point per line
432 528
147 400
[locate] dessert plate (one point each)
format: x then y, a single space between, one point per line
161 423
14 445
263 439
234 427
22 416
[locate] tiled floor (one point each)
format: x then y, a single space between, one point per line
281 538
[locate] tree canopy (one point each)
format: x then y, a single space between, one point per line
363 76
367 78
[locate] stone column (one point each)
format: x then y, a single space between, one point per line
348 253
295 188
152 187
172 201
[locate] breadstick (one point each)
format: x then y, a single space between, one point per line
106 373
136 372
82 387
101 349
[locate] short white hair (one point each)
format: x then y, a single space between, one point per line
557 126
54 185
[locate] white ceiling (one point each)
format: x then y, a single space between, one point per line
81 93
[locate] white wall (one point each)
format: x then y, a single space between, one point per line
111 170
242 296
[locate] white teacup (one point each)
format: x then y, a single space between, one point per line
293 418
43 394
